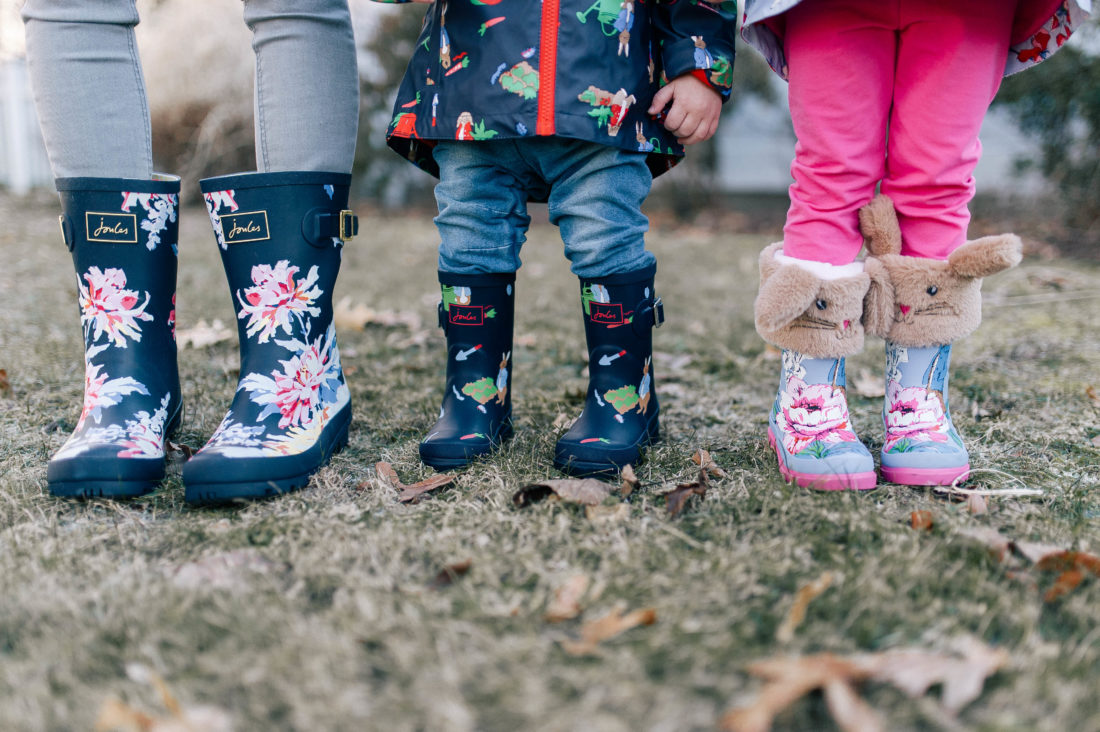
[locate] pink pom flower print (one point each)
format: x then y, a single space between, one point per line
915 414
297 392
102 391
108 308
276 297
812 412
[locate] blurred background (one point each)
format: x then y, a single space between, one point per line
1039 176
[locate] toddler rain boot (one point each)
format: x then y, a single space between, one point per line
620 416
122 234
812 311
476 314
281 237
922 306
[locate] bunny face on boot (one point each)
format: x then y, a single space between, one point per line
798 310
924 302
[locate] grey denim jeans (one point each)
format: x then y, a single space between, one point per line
90 93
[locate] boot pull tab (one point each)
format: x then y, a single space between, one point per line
442 317
649 313
320 226
66 231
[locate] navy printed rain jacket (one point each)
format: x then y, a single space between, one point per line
582 69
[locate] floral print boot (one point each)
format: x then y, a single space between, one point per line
476 313
122 235
281 237
621 414
921 445
810 430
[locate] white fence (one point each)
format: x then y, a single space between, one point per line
23 162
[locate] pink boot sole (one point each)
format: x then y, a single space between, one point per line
925 476
823 482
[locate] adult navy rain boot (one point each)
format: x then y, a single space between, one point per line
476 313
620 416
281 237
123 236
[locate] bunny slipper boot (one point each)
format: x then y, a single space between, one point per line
281 237
621 414
476 314
122 235
921 306
813 312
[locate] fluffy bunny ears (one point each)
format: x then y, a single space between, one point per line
926 302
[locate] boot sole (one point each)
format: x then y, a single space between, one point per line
925 476
823 481
216 494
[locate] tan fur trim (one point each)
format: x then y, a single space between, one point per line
799 311
921 302
878 222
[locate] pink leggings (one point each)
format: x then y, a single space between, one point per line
891 91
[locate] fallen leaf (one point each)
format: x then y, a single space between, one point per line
587 491
566 602
609 626
976 505
676 498
1072 567
357 317
1095 441
630 481
117 716
802 600
1065 583
703 460
607 514
868 385
921 520
960 674
203 334
563 421
447 576
186 450
5 385
1090 391
387 476
998 543
222 571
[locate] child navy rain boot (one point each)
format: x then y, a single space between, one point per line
281 237
812 311
123 236
921 307
620 416
476 314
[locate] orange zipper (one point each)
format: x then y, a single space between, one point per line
548 59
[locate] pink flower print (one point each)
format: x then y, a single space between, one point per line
297 392
107 307
813 412
276 297
145 433
102 391
172 317
915 414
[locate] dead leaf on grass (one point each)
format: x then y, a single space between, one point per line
447 576
5 385
976 505
203 334
1095 441
388 477
703 460
1090 391
607 514
1072 567
961 675
630 481
186 450
596 631
357 317
565 604
921 520
802 600
117 716
676 498
586 491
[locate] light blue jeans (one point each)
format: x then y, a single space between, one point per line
594 193
90 93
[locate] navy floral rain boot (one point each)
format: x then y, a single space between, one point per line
620 416
123 237
281 236
476 314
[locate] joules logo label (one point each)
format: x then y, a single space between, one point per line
608 313
466 314
111 228
243 227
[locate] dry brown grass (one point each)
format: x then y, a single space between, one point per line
316 611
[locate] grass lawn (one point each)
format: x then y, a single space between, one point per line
321 609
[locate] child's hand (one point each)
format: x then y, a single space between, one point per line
693 116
